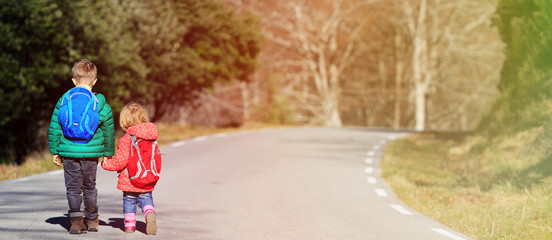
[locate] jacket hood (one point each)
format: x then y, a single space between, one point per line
146 131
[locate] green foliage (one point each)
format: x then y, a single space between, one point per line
35 45
155 52
526 83
208 43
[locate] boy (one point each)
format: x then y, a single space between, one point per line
80 158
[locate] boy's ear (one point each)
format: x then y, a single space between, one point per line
93 82
74 81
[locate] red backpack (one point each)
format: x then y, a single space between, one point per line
144 164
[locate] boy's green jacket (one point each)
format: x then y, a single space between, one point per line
102 144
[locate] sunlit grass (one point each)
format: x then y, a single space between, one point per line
33 165
168 133
488 190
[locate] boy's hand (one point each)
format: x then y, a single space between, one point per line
57 159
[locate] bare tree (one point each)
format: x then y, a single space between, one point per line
319 41
448 50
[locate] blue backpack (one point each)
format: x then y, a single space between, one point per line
78 115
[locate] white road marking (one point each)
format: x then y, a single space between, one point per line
178 144
55 172
383 141
369 161
221 135
447 234
371 180
21 180
199 139
371 153
381 192
369 169
376 147
401 210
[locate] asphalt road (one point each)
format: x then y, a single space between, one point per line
301 183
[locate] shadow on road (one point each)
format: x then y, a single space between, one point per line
118 223
63 221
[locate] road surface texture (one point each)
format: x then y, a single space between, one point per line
296 183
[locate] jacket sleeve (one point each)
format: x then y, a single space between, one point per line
54 131
120 160
108 130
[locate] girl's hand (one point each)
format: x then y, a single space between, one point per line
57 160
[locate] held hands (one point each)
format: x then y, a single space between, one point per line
57 160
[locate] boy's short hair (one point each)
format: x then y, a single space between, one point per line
132 114
84 71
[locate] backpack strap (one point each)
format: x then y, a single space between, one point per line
153 164
70 110
82 123
134 144
140 163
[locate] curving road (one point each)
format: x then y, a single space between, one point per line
304 183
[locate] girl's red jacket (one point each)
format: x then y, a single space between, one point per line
119 162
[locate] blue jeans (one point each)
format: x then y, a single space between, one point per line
80 183
130 199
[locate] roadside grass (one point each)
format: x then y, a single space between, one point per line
42 162
499 189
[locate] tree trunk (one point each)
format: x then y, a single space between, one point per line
332 111
420 104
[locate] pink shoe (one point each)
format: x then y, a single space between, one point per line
130 229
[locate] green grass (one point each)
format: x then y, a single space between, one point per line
499 189
42 162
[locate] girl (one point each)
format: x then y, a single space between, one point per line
133 121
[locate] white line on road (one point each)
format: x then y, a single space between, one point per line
369 161
178 144
401 210
381 192
369 169
371 180
21 180
447 234
199 139
371 153
221 135
55 172
376 147
383 141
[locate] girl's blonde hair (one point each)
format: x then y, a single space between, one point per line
132 114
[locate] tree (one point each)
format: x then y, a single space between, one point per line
448 40
30 70
525 81
201 43
318 42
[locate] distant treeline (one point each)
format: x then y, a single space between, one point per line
155 52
